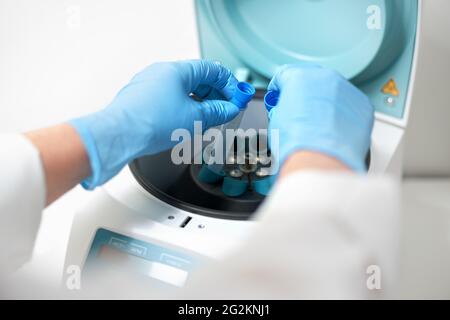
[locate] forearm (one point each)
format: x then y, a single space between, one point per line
63 157
309 160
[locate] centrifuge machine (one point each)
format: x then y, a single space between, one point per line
156 221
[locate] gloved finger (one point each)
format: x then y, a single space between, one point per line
207 92
217 112
285 72
208 73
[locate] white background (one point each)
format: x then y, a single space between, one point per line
52 70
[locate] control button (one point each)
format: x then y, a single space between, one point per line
390 88
137 250
390 101
118 243
174 261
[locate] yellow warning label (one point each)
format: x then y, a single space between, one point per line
390 88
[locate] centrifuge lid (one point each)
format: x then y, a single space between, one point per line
334 33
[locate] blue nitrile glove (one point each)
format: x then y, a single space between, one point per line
319 110
143 115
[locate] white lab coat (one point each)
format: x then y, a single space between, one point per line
320 235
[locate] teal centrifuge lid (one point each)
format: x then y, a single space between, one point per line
333 33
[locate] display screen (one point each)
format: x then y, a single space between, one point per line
111 251
153 269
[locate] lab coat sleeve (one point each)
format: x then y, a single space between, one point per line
22 199
320 235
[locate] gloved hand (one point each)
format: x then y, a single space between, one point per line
319 110
143 115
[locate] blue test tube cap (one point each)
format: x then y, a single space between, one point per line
263 186
243 94
234 188
271 99
208 176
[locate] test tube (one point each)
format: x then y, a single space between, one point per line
271 99
244 92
